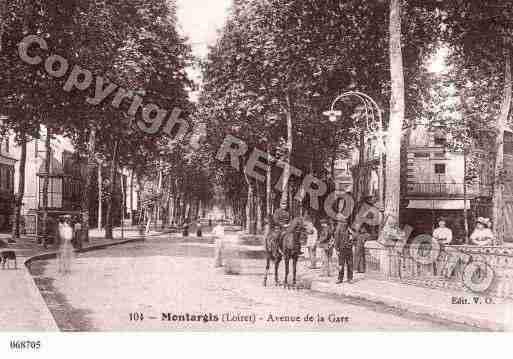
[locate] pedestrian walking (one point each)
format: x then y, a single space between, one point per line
361 237
66 246
77 234
311 241
199 229
326 243
344 247
185 229
218 233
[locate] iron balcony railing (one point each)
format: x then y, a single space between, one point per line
448 189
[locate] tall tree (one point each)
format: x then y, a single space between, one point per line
480 35
397 110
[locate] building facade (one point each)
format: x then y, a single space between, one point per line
7 181
435 184
433 180
65 186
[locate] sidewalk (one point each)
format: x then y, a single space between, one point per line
442 304
22 306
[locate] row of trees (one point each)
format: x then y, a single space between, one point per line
134 44
278 65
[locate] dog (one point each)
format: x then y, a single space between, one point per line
8 255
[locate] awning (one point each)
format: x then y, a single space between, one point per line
437 204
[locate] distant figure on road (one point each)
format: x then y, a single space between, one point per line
344 247
361 237
326 242
66 246
77 237
218 233
199 230
311 241
185 228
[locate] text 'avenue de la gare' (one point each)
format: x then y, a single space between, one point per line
253 318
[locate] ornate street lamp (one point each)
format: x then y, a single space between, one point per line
371 108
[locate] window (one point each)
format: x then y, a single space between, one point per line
3 184
6 178
440 168
421 154
440 140
508 143
54 192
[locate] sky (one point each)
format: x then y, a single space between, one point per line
199 20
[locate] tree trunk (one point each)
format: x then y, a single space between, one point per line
100 196
250 207
465 210
259 225
84 205
498 180
112 190
18 201
159 191
268 187
123 205
3 16
288 155
46 182
397 109
132 197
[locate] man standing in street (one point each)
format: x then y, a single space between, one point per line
362 237
326 243
344 247
218 233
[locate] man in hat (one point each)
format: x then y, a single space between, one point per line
443 235
361 237
311 240
281 217
326 243
344 247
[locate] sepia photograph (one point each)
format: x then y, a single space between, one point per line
249 166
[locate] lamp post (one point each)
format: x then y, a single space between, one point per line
371 107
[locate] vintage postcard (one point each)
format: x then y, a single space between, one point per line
256 165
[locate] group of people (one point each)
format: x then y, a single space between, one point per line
481 236
331 236
337 236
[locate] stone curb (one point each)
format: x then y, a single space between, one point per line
38 297
53 254
413 307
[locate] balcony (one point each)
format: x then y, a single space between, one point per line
448 190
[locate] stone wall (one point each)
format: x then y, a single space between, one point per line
452 270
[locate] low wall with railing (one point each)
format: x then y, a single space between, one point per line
451 269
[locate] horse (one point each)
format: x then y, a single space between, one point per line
284 245
273 253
